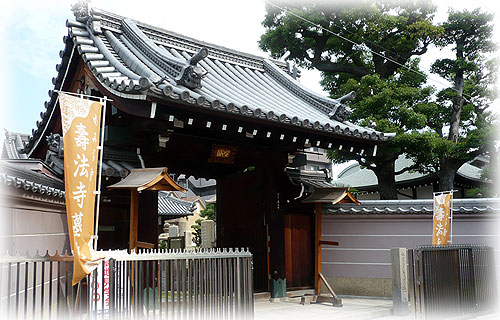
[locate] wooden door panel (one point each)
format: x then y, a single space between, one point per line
299 251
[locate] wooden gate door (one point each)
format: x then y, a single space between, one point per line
299 251
240 220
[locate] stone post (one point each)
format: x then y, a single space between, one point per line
399 281
188 239
182 227
208 234
173 231
166 225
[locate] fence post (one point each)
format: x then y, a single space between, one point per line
112 274
399 282
412 283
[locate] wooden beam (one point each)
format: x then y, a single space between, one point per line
317 246
145 245
134 219
330 243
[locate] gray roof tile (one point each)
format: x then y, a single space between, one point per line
419 206
15 176
134 60
171 206
364 178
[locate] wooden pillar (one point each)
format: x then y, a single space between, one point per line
317 246
147 235
134 219
276 232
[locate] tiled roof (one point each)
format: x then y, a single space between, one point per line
13 145
363 177
419 206
133 60
172 206
312 179
20 178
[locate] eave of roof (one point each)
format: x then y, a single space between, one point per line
21 178
13 145
419 206
155 179
310 178
172 206
367 180
133 60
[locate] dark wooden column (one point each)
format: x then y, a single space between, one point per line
148 220
317 246
274 218
134 219
143 229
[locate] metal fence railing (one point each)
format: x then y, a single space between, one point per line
452 281
36 286
170 284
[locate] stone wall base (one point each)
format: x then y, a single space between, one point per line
370 287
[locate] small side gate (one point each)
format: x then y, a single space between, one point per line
451 281
207 284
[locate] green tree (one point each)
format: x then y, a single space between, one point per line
395 104
206 214
461 125
363 50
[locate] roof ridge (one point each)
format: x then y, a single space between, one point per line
113 21
100 39
169 196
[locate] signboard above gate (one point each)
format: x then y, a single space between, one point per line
223 154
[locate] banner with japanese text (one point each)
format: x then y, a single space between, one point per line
81 120
441 219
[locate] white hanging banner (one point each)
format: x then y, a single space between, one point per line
81 119
441 225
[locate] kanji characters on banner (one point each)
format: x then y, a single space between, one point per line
441 220
81 120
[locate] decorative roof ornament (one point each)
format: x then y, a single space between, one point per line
293 72
343 111
192 75
85 14
81 10
55 155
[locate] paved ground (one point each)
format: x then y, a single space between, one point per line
354 308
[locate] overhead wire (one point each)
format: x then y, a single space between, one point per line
366 49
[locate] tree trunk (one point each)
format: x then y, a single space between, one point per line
386 180
447 172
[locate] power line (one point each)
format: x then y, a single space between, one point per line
366 49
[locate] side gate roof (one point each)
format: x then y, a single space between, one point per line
135 61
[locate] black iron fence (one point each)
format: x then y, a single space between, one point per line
452 281
207 284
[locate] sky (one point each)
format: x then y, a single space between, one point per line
32 33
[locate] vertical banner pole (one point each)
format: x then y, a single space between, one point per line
101 155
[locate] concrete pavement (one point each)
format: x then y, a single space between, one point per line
354 308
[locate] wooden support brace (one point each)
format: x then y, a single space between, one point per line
144 245
336 301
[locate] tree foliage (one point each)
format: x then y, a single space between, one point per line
364 49
462 126
372 47
396 30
